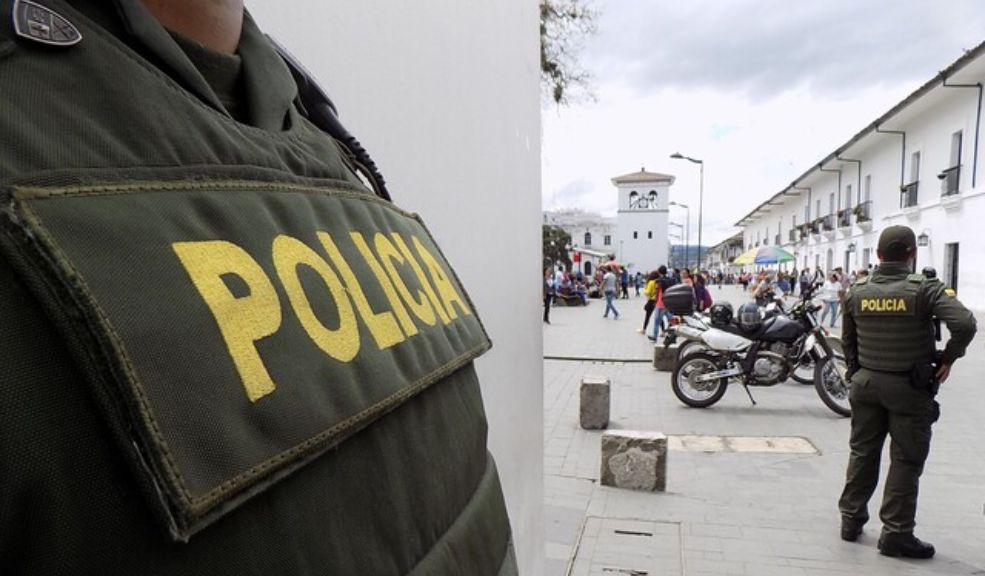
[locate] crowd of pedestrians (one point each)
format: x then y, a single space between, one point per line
613 282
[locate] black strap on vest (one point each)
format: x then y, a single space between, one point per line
317 107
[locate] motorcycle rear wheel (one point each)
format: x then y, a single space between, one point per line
832 385
689 347
697 394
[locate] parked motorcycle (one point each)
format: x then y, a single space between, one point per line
758 352
689 329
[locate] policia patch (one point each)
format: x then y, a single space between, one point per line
235 330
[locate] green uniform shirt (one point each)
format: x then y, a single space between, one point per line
222 354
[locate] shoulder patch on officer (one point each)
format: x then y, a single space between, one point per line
862 281
42 24
950 292
239 329
916 278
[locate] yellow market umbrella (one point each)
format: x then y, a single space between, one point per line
747 257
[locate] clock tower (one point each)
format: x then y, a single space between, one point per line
641 231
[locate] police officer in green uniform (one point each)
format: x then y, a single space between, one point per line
889 347
220 352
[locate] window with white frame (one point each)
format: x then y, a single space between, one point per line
956 149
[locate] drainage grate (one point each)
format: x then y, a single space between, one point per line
744 444
617 547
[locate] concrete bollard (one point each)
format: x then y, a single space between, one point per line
665 358
594 412
634 460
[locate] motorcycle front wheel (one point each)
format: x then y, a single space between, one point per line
803 372
832 385
686 387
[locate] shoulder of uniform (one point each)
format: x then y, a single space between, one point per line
917 278
861 281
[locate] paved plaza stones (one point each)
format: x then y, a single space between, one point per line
634 460
750 490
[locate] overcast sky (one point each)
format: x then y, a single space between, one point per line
758 89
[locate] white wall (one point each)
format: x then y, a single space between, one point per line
445 96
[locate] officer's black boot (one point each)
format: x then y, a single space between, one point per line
850 529
906 545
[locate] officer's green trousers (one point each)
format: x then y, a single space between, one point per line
887 403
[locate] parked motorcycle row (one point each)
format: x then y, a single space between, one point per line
753 346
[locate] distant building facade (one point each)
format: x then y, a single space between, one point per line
919 164
592 236
719 257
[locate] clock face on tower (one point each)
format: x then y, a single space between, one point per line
647 201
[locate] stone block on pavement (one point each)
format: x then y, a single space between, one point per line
594 411
665 357
634 460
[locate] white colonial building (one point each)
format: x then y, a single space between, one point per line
592 236
918 165
641 232
636 237
719 257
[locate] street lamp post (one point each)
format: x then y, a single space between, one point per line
701 193
687 232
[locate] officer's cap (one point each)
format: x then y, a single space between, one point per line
901 235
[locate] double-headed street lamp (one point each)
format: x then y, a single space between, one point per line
701 193
687 232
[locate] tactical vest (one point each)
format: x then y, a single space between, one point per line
894 332
221 354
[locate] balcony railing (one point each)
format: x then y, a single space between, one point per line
863 211
828 222
908 194
776 239
795 234
815 226
844 218
950 180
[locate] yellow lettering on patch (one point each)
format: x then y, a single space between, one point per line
389 254
382 325
242 320
883 305
389 290
419 272
341 343
441 281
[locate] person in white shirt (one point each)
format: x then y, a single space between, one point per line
830 293
609 289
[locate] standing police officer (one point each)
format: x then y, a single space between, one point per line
889 346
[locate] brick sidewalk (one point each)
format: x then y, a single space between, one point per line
730 512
